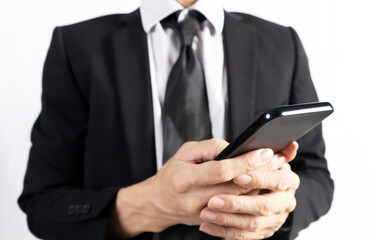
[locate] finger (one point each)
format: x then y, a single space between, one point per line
233 233
260 205
214 172
243 221
286 166
207 192
197 152
275 164
278 160
252 160
289 153
196 199
285 156
280 180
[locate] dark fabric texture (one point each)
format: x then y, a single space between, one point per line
95 132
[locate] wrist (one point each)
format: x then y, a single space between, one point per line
133 211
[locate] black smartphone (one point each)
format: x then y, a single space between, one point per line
278 127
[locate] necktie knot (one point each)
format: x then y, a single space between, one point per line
186 29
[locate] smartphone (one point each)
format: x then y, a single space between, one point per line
278 127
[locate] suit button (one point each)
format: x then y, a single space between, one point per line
86 208
70 210
77 209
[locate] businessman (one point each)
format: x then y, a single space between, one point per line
134 107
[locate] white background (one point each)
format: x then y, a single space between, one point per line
338 35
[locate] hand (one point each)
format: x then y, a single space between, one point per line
254 217
183 187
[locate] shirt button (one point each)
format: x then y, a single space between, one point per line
194 46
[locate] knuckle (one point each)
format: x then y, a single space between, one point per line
247 162
257 180
263 181
268 234
253 225
239 235
235 206
283 181
190 206
157 229
297 180
286 166
190 210
179 185
217 142
221 171
188 144
279 223
266 208
292 205
225 219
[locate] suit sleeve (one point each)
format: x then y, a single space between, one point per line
57 204
315 193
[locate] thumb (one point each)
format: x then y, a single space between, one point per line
245 163
202 151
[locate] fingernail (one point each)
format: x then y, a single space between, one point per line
208 215
216 202
243 179
266 155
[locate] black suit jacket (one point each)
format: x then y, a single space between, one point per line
95 132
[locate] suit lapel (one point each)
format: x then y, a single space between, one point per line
240 54
132 77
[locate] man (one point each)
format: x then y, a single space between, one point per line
101 135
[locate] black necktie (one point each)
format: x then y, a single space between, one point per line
185 113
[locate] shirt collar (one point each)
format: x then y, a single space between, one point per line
153 11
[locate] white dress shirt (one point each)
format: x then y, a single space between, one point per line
164 50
